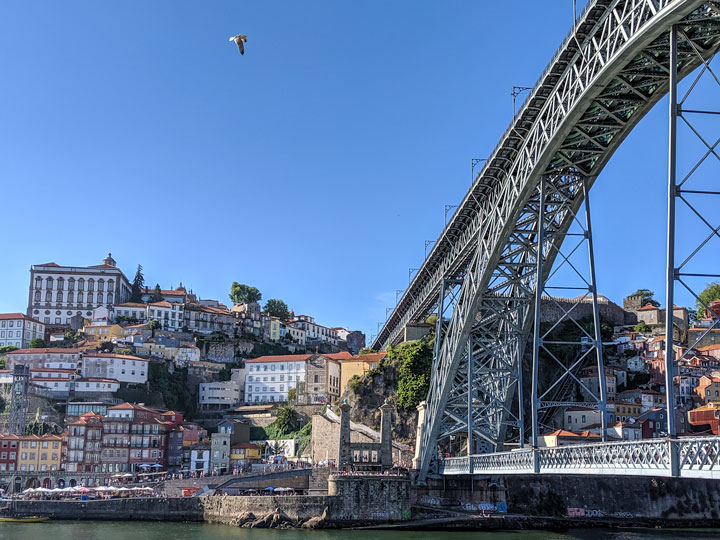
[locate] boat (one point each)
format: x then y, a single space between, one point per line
23 519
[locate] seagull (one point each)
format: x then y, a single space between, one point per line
239 40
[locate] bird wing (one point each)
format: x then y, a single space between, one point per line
241 47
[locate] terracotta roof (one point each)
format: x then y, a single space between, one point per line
709 348
47 350
131 304
10 316
48 264
298 357
108 266
648 308
245 445
99 380
51 379
112 355
372 357
163 303
166 292
50 370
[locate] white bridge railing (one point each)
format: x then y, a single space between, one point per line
696 457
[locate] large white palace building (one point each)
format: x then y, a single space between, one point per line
58 293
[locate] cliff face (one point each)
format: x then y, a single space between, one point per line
366 397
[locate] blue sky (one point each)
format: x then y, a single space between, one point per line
313 167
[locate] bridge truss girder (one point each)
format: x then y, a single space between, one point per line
619 70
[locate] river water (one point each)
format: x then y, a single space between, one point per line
89 530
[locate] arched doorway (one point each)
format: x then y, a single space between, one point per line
47 483
32 483
73 483
61 483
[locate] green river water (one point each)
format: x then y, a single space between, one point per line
88 530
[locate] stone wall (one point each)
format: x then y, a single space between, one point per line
624 497
170 509
619 496
369 498
580 310
228 510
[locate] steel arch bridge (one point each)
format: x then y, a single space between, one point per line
483 273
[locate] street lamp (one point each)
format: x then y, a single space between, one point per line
515 92
449 207
475 161
410 273
428 243
398 292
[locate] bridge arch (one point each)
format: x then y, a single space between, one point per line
608 74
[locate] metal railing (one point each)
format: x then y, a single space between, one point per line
697 457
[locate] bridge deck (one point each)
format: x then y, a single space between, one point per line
698 457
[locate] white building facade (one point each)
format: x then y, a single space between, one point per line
57 293
269 378
218 395
122 367
17 330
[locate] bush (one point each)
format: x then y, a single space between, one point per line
354 383
414 373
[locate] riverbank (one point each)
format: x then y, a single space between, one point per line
315 513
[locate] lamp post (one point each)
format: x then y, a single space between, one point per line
515 92
475 161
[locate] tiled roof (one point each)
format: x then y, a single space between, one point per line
298 357
649 307
163 303
131 304
112 355
12 316
47 350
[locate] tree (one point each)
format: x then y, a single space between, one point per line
154 325
37 343
642 327
71 336
366 350
138 285
244 294
710 293
647 297
292 395
287 420
7 348
277 308
156 295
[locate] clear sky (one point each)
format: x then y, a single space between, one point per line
313 167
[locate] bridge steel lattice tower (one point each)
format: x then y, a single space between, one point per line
612 68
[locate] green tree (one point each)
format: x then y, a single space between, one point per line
244 294
138 285
366 350
154 325
292 395
414 372
287 420
7 348
37 343
275 448
647 297
156 295
710 293
72 337
277 308
642 327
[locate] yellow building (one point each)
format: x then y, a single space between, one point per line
37 453
624 410
104 332
244 453
274 328
358 365
708 389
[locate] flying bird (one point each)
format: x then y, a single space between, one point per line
239 41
